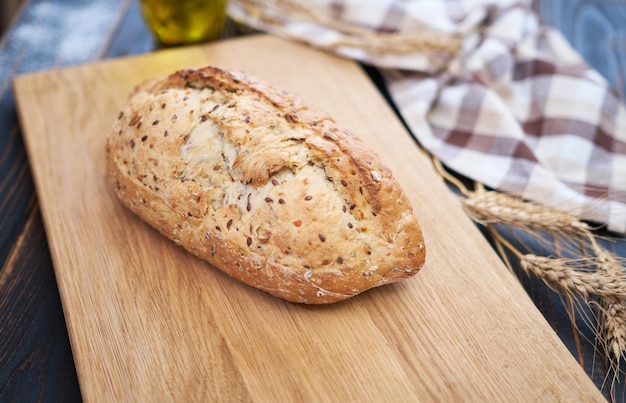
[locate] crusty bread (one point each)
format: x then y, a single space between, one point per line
262 186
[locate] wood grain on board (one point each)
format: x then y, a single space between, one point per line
148 321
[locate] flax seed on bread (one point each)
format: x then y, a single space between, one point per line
262 186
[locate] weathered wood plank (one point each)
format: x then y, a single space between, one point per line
36 362
596 29
35 356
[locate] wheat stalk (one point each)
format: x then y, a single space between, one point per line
613 324
596 274
614 337
574 276
378 43
490 207
614 327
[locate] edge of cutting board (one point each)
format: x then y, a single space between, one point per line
463 327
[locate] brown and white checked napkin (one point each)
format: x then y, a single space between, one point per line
485 88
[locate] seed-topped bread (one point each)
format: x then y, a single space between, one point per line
262 186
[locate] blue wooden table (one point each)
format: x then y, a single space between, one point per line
35 356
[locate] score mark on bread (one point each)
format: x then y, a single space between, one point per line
262 186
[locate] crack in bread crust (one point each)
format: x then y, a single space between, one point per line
262 186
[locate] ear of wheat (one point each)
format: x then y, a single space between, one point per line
427 41
594 276
489 207
613 311
575 276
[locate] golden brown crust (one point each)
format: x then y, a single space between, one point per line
262 186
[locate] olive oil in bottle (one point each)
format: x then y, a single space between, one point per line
180 22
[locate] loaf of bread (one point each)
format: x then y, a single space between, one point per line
262 186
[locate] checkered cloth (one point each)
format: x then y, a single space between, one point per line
512 106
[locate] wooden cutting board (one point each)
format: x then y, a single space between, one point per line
149 322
